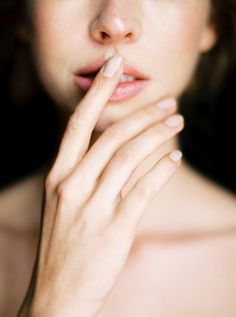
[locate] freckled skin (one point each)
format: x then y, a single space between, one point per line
165 41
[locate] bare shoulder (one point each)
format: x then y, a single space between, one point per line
20 206
207 194
203 185
17 255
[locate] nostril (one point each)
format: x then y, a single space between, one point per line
104 35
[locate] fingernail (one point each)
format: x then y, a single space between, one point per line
166 104
175 155
112 66
174 121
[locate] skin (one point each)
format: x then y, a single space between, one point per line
68 234
174 33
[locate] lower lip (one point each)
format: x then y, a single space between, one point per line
123 91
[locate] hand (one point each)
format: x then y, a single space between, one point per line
87 229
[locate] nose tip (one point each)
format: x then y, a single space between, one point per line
113 29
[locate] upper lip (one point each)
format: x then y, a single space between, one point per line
97 65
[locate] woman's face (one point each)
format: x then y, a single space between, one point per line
161 38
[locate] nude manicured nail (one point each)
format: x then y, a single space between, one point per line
175 155
174 121
166 104
112 66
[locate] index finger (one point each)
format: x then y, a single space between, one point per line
80 126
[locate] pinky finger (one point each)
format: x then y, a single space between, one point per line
145 189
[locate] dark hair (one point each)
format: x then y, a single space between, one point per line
29 121
205 141
208 104
215 65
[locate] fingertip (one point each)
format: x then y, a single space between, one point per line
112 66
176 156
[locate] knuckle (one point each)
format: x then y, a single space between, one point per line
145 189
161 132
113 132
127 153
77 121
64 194
50 181
85 225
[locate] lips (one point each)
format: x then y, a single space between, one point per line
93 69
131 83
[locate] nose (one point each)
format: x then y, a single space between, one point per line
115 23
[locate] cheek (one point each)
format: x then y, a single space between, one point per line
53 46
175 43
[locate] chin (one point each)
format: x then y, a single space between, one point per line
107 118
